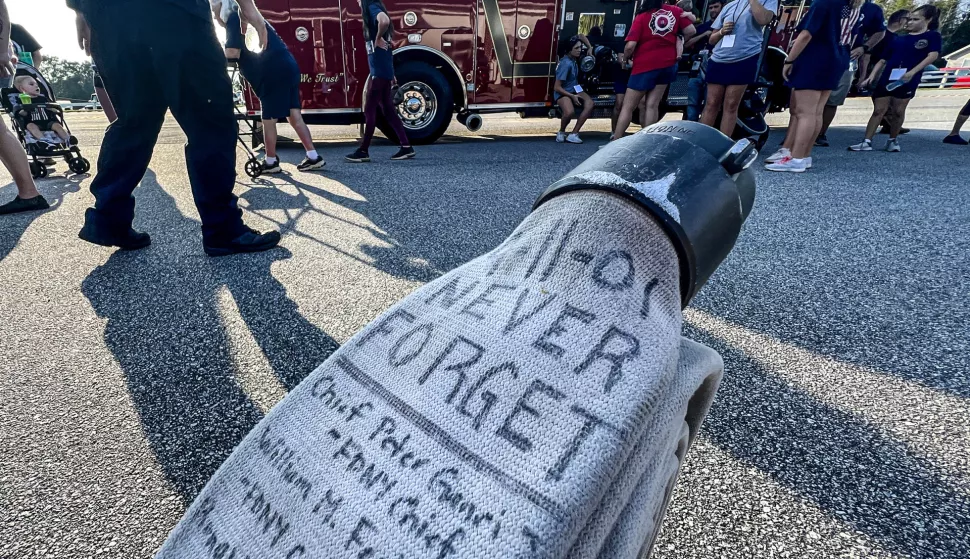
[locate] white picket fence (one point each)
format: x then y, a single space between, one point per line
945 78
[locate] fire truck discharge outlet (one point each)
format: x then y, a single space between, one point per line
535 402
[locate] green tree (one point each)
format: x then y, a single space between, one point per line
70 80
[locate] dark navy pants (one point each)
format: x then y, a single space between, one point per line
154 56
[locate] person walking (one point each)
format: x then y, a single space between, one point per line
816 62
569 95
11 152
147 73
900 74
738 38
954 136
378 33
652 44
869 31
275 77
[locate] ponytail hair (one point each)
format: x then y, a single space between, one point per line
647 5
932 13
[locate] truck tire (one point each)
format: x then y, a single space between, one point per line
428 103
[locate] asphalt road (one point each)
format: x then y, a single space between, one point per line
842 428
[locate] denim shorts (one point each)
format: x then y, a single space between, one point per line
646 81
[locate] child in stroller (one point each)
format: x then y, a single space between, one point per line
40 124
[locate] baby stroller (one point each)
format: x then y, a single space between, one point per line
42 151
247 128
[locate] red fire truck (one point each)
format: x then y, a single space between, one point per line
466 58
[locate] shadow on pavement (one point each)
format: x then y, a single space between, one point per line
865 269
165 330
13 226
849 468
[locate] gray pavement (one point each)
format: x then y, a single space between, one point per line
842 428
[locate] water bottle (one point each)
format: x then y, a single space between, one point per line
853 65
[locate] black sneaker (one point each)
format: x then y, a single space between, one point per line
271 167
19 204
312 164
886 130
403 153
359 156
822 141
250 241
130 240
955 139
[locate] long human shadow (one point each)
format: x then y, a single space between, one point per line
433 213
850 469
871 273
13 226
165 330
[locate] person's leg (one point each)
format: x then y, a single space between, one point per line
828 115
899 115
695 99
587 110
715 99
128 142
270 136
643 111
617 107
389 110
199 92
15 160
370 112
880 105
732 101
567 108
819 110
59 130
809 114
34 131
961 119
302 130
630 102
654 97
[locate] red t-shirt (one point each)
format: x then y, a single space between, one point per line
655 33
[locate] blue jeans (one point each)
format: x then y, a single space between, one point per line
696 94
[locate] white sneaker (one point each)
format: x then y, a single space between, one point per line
893 145
573 138
866 145
808 162
788 165
561 137
778 156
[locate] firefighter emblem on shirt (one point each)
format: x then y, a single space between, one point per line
922 44
662 22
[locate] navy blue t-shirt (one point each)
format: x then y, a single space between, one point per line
826 57
907 51
195 7
381 61
871 21
274 63
698 31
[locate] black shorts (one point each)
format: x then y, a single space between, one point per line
904 92
44 125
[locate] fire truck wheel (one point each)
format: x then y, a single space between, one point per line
427 106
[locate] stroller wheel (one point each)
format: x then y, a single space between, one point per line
253 168
38 170
79 165
73 141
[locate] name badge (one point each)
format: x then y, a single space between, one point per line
728 41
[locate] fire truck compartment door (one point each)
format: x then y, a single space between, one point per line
534 59
318 39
